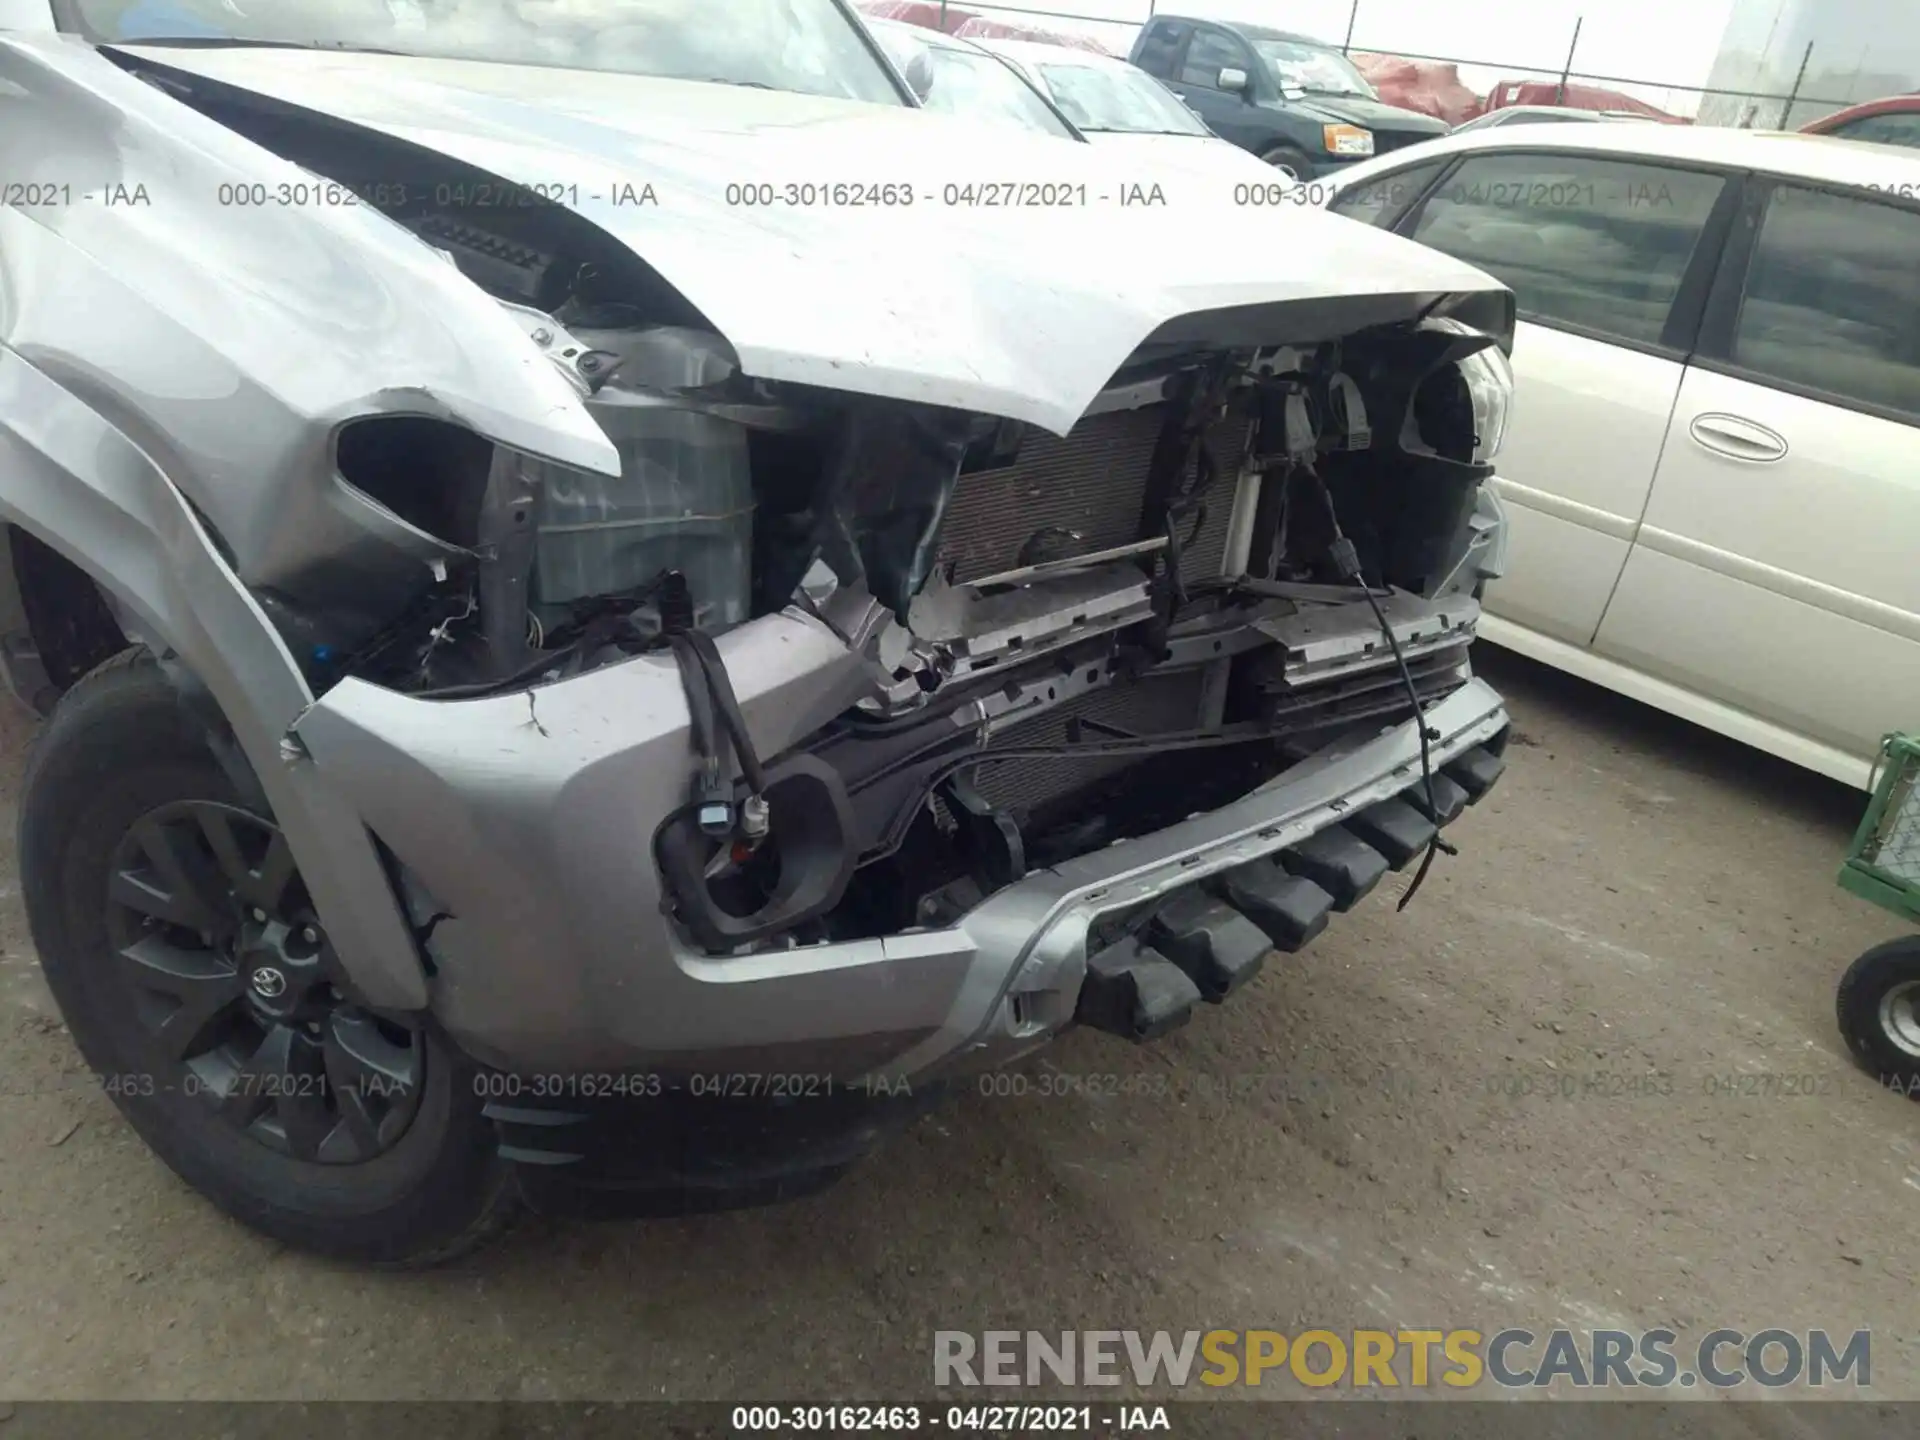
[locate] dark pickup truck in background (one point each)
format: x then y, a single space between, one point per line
1295 102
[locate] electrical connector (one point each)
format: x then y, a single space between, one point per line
713 799
755 816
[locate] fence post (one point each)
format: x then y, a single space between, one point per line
1560 95
1353 16
943 17
1786 110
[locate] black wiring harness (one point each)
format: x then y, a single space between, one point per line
716 726
1346 564
714 721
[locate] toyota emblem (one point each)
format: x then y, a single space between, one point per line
269 983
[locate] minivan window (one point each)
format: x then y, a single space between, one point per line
1832 299
1596 243
1209 54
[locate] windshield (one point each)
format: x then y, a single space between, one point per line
1105 98
802 45
1313 68
970 82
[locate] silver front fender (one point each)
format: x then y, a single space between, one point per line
173 369
77 483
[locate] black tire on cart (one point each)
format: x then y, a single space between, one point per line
189 964
1878 1007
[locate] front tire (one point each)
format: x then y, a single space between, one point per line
1290 162
1878 1007
186 959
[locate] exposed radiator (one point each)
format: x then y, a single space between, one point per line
1153 706
1376 694
1092 482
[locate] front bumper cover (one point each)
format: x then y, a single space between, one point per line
1029 944
526 818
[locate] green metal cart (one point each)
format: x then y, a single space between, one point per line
1878 1004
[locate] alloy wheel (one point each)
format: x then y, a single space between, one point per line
235 984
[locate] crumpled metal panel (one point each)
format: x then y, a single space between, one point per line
70 478
1011 309
229 340
172 370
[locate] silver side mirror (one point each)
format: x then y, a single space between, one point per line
1233 78
919 74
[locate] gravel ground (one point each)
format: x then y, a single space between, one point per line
1374 1134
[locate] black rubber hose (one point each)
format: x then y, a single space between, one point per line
724 701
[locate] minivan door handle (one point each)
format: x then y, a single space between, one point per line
1737 439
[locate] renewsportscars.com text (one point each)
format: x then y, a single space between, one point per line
1415 1359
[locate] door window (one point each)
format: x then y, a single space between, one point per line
1209 54
1160 46
1594 243
1832 300
1384 200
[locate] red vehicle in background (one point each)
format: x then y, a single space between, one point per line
1892 121
1433 87
980 27
1576 97
927 13
966 25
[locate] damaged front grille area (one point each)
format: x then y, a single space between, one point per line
1332 666
1051 643
1099 676
1159 704
1294 700
1378 694
1082 493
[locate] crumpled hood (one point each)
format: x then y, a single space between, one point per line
978 294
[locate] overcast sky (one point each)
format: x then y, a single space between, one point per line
1666 42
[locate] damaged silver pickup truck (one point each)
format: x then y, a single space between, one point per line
618 604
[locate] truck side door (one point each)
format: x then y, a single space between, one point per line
1227 112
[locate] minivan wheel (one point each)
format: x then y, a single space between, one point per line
1289 162
1878 1007
201 988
